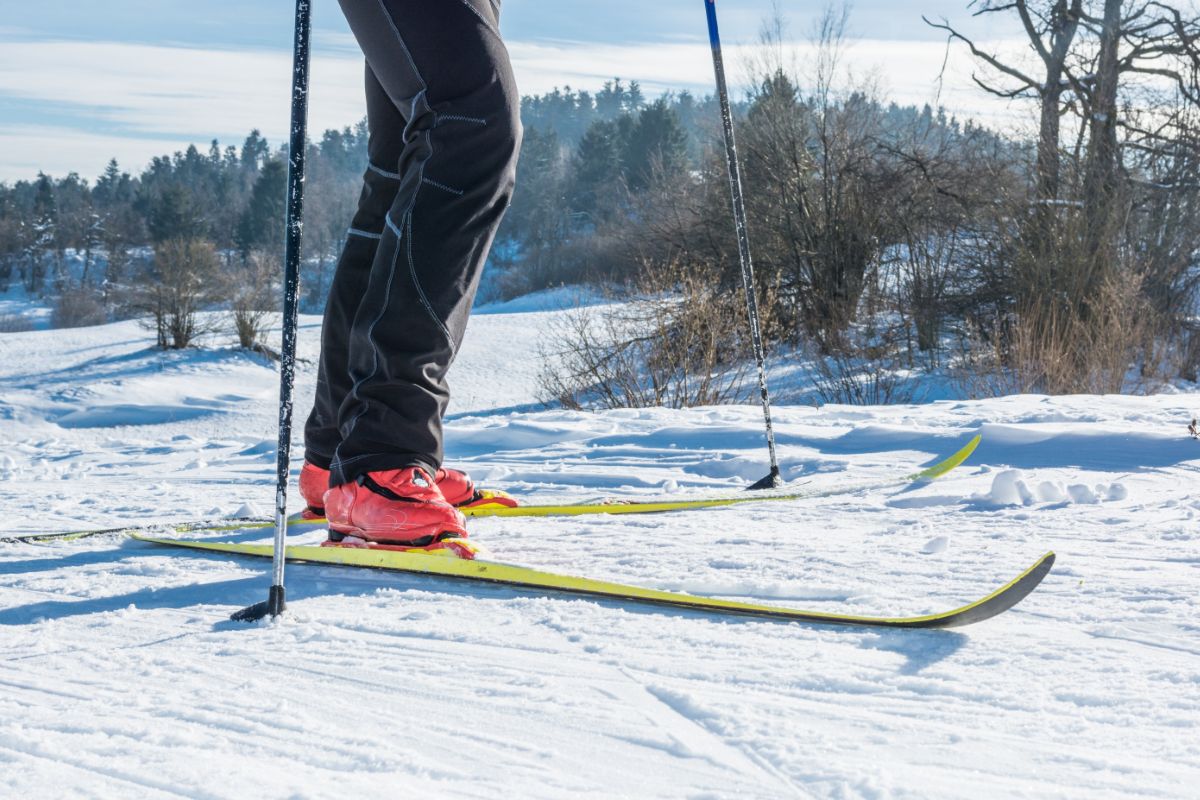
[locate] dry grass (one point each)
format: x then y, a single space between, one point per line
1110 345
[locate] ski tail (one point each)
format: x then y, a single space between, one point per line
526 578
220 525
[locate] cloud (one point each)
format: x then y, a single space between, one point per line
907 72
173 90
27 149
135 101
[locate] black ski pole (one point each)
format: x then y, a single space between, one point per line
774 479
274 604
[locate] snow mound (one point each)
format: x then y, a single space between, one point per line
1010 488
937 544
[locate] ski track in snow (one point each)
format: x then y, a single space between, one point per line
121 676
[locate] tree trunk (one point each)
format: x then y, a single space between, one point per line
1100 181
1065 23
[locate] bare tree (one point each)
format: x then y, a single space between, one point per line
815 174
252 289
1114 209
182 280
1051 27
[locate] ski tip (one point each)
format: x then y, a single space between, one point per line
942 467
1002 599
967 449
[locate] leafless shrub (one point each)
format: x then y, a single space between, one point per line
871 368
15 323
253 298
182 280
681 342
79 307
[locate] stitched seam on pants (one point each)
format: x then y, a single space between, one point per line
482 18
364 234
387 293
403 46
442 186
412 270
459 118
381 171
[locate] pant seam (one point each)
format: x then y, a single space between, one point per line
459 118
412 270
442 186
387 293
482 18
381 171
403 45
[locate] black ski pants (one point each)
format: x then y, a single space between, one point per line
443 117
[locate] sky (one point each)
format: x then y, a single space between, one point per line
84 82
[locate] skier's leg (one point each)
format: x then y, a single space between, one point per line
380 184
443 63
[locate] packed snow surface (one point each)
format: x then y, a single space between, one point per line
121 675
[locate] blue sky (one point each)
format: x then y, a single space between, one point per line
83 82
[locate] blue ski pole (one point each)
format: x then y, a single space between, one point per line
773 479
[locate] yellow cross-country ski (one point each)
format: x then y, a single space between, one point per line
438 565
615 506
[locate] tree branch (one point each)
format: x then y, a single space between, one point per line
1030 83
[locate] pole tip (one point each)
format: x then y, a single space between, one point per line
772 481
274 605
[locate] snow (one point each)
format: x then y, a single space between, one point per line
121 676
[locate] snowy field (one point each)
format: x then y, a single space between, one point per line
121 676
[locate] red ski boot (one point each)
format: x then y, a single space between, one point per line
314 483
398 507
455 485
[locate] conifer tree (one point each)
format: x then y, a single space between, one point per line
597 167
45 229
174 214
656 142
261 225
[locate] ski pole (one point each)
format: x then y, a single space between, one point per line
274 604
773 479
